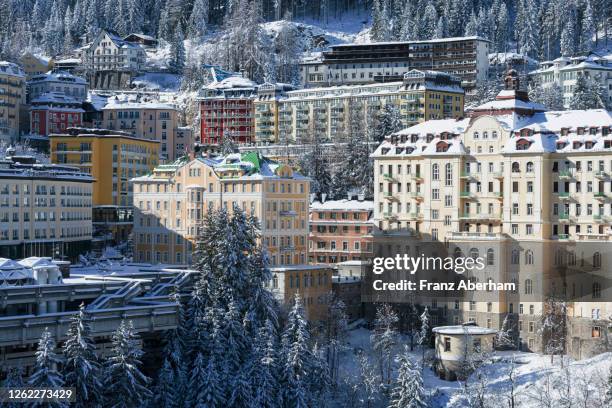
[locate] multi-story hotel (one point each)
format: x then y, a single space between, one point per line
351 64
54 112
226 110
12 96
340 231
527 190
325 112
59 82
564 72
112 158
172 200
146 120
266 106
35 64
45 209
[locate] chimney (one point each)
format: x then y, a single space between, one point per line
323 197
361 196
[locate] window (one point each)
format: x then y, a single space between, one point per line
448 174
597 260
435 172
490 256
529 167
514 258
447 344
596 290
474 253
528 287
529 257
516 167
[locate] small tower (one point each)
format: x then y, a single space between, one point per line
511 80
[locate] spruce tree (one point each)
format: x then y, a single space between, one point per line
45 373
167 394
177 52
14 379
198 21
608 396
264 379
125 385
424 334
81 368
408 391
384 339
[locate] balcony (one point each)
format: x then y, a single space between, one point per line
499 195
416 176
468 175
389 216
485 216
498 174
469 236
566 218
566 175
594 237
415 216
563 237
601 175
389 196
389 177
600 218
565 195
466 194
601 196
416 195
289 213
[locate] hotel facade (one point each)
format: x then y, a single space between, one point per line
527 190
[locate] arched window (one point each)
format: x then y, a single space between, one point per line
435 172
448 174
474 253
529 167
528 287
485 135
514 258
597 260
516 168
596 290
458 253
529 257
490 256
475 135
571 258
494 134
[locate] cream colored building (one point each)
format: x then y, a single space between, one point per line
34 65
146 120
564 72
528 191
45 209
170 202
289 116
12 96
110 52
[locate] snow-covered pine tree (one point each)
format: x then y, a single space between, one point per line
166 393
388 121
471 28
408 391
177 52
297 362
430 20
125 385
335 332
81 368
198 21
205 384
369 381
424 334
553 327
589 29
608 396
45 373
568 44
585 95
228 145
384 339
14 379
265 375
440 29
505 336
313 165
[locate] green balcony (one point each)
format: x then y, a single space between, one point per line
466 194
389 215
388 177
416 195
416 176
601 175
563 237
564 195
467 174
600 195
498 194
565 174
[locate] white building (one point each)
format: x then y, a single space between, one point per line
564 72
57 81
110 52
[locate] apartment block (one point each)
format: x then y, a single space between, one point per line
527 190
352 64
340 231
54 112
112 158
325 112
172 200
58 82
564 72
226 110
45 209
12 91
266 106
145 120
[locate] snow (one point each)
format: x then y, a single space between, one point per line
98 101
115 103
463 329
344 205
233 82
510 104
9 68
158 81
503 58
58 76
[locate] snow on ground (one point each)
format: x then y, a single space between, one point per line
535 376
158 81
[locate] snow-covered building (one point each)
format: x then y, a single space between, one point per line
564 72
13 96
148 120
54 112
226 109
46 209
58 82
352 64
144 40
178 195
34 64
325 112
340 230
528 190
41 293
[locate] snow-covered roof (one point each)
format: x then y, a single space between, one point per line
11 270
36 262
234 81
113 103
296 268
9 68
431 41
58 76
346 279
56 98
464 329
344 205
505 104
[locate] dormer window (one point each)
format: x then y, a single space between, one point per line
399 150
605 130
593 131
522 144
385 150
429 138
564 131
409 150
485 135
607 144
442 147
580 130
526 132
576 145
561 145
414 138
588 145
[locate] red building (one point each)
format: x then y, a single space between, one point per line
53 112
226 109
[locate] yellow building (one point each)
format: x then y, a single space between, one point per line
112 158
526 190
35 65
12 96
287 116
